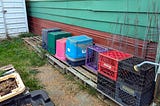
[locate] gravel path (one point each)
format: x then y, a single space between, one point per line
64 92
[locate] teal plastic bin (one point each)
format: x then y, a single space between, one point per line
52 37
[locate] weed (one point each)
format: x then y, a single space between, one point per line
158 100
33 72
15 52
22 35
2 72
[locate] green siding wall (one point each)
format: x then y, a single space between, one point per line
123 17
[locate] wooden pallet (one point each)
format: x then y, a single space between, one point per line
81 72
7 68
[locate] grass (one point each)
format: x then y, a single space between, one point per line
26 35
15 52
158 100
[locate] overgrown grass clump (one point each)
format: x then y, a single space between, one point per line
15 52
26 35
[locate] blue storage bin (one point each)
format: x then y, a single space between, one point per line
45 36
76 46
75 62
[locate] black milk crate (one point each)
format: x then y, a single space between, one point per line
106 85
131 97
34 98
139 80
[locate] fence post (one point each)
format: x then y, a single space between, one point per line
157 78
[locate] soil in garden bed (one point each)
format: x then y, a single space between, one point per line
7 86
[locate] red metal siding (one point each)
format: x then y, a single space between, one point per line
145 50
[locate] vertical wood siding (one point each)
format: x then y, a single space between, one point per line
15 19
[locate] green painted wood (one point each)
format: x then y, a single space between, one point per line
52 37
113 28
101 5
132 16
110 17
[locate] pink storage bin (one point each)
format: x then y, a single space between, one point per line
61 48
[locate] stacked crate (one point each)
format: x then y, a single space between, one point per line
108 70
92 56
106 85
108 63
45 36
76 49
135 87
53 36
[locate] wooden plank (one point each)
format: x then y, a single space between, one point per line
38 38
8 67
30 43
109 97
35 48
35 41
82 77
64 62
86 73
157 86
89 70
59 63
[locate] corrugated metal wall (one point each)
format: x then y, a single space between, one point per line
127 25
13 19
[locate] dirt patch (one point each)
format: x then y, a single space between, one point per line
64 92
7 86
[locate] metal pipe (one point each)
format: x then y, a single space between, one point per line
136 67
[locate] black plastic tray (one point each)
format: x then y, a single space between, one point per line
35 98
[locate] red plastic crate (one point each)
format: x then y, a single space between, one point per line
108 73
111 58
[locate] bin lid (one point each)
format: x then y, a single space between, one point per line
79 38
58 33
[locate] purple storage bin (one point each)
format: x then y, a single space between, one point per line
92 56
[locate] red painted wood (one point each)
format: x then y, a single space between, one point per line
127 44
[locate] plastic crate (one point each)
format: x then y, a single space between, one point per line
45 36
108 73
60 49
34 98
106 85
92 56
131 97
75 62
111 58
139 80
14 92
52 37
76 46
